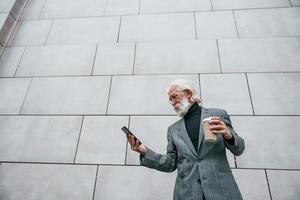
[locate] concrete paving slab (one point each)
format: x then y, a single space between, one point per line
226 91
260 55
252 184
143 94
121 7
268 22
102 141
275 93
114 59
6 5
67 95
157 6
284 184
84 30
9 61
217 24
39 139
63 8
32 33
32 9
47 182
270 141
57 60
240 4
13 91
176 26
177 57
128 183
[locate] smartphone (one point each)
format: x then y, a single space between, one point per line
127 131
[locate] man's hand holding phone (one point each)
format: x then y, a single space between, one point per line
135 144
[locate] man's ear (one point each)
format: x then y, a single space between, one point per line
188 93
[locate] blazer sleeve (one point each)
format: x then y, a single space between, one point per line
162 162
238 145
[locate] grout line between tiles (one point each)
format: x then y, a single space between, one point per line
119 29
97 46
42 8
108 97
248 85
269 189
29 85
235 24
19 63
95 184
80 130
139 10
219 58
50 28
195 26
134 56
211 5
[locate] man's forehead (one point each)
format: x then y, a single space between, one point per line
172 89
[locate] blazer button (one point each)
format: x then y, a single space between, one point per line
199 181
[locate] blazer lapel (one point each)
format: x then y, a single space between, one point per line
204 114
186 136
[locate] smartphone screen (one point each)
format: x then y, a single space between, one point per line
127 131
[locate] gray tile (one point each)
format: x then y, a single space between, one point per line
260 55
39 139
226 91
284 184
3 17
67 95
13 91
32 9
177 57
121 7
128 183
114 59
102 141
275 93
295 2
217 24
270 141
157 6
32 33
268 22
84 30
9 61
239 4
62 8
143 94
158 27
252 180
6 5
47 182
57 60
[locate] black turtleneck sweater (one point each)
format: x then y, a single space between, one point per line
192 123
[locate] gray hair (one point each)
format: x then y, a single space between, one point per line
181 85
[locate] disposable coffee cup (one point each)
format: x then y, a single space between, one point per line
208 135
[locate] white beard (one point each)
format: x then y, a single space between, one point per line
183 107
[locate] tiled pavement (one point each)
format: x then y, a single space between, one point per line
75 71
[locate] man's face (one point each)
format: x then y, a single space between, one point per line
180 100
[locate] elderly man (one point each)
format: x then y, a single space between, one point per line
203 169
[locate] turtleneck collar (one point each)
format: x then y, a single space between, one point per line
195 109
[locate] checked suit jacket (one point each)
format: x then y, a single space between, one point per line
202 171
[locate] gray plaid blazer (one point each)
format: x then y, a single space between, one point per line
205 171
